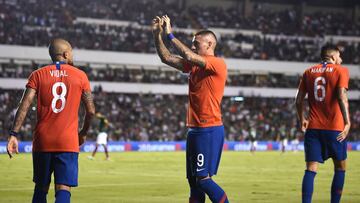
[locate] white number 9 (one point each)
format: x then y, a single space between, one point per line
58 97
200 160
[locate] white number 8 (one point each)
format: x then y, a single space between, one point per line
200 160
320 87
57 97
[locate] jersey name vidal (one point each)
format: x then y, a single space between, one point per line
59 88
321 83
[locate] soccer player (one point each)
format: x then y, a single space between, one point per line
253 140
283 138
206 88
328 124
59 88
102 136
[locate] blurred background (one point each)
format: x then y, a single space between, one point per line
267 44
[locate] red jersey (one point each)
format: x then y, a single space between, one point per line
59 88
320 82
206 89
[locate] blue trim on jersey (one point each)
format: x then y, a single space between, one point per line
58 64
324 64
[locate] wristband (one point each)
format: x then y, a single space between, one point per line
170 36
13 133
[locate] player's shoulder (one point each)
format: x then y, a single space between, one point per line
313 67
341 68
76 71
41 69
214 61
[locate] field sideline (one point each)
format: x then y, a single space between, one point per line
137 177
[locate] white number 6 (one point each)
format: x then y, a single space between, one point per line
320 87
58 97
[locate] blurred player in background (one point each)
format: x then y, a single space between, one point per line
294 136
59 88
328 124
283 138
102 136
253 140
206 88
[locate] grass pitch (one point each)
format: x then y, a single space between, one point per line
137 177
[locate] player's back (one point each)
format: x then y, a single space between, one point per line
321 83
59 88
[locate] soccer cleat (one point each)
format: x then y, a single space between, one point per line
91 157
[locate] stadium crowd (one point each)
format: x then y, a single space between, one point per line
162 117
164 75
35 22
290 21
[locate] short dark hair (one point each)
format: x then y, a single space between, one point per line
327 50
207 32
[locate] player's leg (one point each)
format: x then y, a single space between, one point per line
40 193
308 181
283 145
208 158
213 190
313 156
66 175
338 152
106 151
95 150
42 169
196 194
62 193
338 180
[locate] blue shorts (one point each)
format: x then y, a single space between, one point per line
322 144
203 151
63 164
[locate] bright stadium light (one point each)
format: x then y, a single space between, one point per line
237 99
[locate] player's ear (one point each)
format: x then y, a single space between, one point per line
209 45
66 55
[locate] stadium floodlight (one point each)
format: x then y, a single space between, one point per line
237 99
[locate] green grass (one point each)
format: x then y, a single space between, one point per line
137 177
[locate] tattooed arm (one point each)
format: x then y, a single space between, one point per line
344 107
299 101
184 51
164 53
87 99
26 100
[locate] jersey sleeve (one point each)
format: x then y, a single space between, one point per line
343 78
33 81
213 64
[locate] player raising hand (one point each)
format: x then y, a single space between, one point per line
206 88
